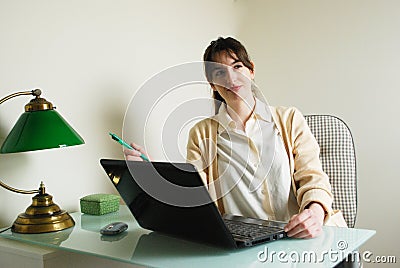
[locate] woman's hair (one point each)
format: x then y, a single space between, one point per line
234 49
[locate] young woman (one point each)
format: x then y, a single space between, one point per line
258 161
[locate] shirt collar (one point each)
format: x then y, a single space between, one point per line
224 119
261 112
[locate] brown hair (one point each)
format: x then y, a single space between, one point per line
234 49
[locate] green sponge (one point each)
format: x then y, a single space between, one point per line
99 204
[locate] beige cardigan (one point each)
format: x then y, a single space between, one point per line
309 182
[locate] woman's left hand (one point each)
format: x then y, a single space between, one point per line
308 223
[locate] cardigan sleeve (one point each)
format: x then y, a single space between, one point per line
201 152
312 183
194 153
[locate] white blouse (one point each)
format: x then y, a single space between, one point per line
253 167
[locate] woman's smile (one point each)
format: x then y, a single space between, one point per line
235 88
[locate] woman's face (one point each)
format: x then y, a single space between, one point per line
231 78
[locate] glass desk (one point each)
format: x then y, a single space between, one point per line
142 247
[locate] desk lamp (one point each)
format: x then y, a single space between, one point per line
40 127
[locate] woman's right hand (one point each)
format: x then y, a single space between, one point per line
134 155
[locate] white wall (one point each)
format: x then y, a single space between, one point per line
89 57
340 58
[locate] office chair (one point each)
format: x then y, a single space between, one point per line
338 161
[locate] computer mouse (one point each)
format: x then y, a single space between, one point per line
114 228
113 238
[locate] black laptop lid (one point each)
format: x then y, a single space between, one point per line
155 193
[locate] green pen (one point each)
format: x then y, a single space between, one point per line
123 143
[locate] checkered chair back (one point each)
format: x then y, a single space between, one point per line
338 161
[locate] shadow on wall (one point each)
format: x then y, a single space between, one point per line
111 111
10 173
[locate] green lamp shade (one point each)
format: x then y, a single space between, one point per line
37 130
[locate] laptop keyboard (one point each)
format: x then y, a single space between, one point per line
249 230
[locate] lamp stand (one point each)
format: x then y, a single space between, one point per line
42 215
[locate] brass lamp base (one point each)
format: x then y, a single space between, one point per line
42 216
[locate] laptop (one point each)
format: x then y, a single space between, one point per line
170 198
